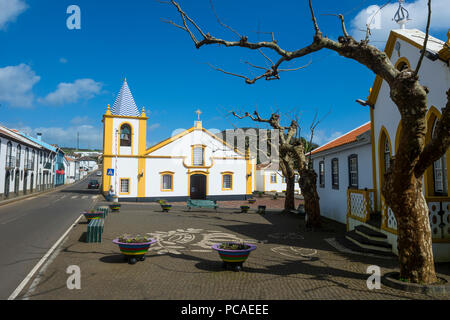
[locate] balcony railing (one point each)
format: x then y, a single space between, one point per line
11 162
439 215
360 203
18 162
47 165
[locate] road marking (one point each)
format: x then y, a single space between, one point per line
30 198
10 220
38 265
94 197
84 197
73 197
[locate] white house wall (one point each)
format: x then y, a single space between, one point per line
433 74
333 202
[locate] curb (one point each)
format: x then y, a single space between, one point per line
389 280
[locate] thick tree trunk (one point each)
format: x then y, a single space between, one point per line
413 230
289 201
308 185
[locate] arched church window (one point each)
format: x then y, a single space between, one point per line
18 153
439 171
125 135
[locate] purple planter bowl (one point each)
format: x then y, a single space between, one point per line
234 256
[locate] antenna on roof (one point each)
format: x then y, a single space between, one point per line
402 15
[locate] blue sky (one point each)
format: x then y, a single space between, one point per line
59 81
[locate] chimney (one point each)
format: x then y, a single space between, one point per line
39 136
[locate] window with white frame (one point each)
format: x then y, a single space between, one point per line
439 171
227 181
322 174
124 185
353 171
273 178
167 182
387 155
335 173
197 156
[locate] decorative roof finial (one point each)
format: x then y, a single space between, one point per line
125 79
198 112
402 15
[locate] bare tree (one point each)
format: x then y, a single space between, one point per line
292 158
402 186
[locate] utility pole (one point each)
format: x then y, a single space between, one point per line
78 141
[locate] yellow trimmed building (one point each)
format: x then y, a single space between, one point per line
193 164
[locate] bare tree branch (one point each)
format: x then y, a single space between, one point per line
419 63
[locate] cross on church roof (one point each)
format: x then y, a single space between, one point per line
198 112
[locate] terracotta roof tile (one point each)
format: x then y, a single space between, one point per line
344 139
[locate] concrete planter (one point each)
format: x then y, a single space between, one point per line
93 215
233 258
391 280
134 251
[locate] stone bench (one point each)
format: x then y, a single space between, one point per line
202 204
95 230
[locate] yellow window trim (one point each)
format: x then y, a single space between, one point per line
120 186
203 155
383 133
166 173
225 173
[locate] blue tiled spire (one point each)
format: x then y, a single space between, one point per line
125 105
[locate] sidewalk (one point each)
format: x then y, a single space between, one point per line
289 262
39 193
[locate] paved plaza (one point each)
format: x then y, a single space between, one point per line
290 262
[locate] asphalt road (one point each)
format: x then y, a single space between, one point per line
30 227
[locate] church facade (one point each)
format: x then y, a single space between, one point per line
194 164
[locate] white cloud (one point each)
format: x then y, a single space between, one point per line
80 120
10 10
418 13
90 136
321 137
72 92
63 60
16 84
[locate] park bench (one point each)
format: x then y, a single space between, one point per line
95 230
202 204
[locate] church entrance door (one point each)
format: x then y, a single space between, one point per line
198 186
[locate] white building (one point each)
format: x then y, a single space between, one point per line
194 163
269 178
341 164
366 208
26 166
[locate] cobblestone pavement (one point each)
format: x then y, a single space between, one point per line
289 262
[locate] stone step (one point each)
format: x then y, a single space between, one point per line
370 233
363 242
342 240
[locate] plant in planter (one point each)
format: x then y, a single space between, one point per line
233 254
114 207
260 194
134 248
275 196
261 209
251 200
164 205
244 209
93 214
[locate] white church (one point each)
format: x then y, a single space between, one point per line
193 164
